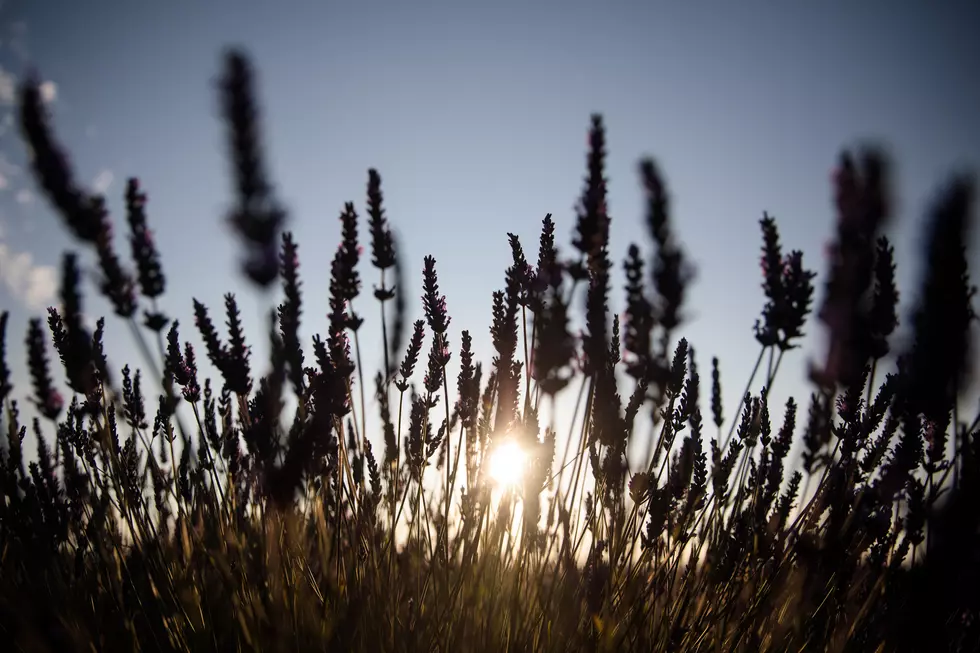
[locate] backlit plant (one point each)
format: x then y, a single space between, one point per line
254 527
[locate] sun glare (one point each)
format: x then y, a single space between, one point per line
507 463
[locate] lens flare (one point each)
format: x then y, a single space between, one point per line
507 464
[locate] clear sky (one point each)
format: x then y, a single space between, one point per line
475 114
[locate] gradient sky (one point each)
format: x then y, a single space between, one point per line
476 115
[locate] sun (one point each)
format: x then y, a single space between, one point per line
507 463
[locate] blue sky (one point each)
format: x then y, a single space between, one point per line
476 114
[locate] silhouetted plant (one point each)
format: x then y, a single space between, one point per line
128 532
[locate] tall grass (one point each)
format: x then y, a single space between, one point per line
255 528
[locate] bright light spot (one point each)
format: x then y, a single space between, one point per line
507 463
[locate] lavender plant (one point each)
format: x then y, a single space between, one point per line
258 528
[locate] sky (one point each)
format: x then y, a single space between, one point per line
476 115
